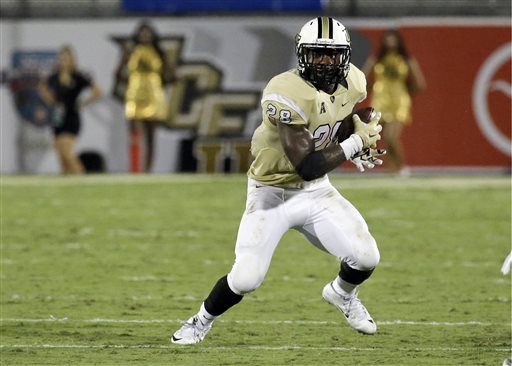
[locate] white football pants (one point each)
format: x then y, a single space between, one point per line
317 210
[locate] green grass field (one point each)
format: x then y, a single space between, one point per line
101 270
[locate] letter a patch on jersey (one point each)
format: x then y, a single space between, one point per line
322 108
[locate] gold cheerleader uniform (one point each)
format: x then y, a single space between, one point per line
144 97
390 92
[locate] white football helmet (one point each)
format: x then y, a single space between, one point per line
328 36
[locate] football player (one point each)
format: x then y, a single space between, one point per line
293 148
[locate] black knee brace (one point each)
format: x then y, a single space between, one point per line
353 276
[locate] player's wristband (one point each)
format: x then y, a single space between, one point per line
352 146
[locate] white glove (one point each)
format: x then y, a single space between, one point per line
367 158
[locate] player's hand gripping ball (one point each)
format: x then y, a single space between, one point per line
347 125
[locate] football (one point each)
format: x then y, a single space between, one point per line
347 125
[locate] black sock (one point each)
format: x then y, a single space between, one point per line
221 298
352 275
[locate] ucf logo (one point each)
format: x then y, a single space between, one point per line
197 101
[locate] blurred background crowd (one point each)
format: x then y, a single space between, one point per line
174 86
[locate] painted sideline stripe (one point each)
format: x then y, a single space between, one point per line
238 347
304 322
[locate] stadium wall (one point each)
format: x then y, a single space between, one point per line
461 120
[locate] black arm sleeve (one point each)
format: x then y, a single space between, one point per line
318 163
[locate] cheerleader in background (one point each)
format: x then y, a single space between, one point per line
61 92
145 104
393 77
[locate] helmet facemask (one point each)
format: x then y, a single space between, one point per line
323 75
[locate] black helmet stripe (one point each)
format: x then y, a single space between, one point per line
319 24
330 28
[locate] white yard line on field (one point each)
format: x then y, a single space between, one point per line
238 347
265 322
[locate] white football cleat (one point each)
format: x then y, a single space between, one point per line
191 332
356 314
